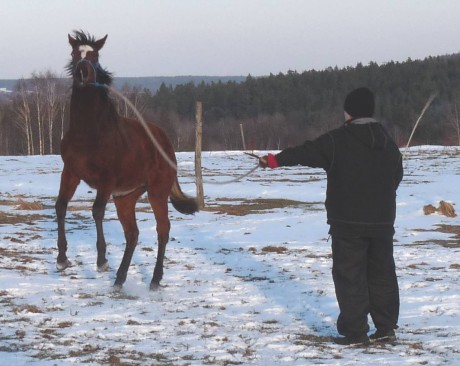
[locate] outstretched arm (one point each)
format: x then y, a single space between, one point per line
318 153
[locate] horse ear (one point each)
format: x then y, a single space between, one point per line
100 43
73 42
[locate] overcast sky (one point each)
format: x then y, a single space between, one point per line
225 37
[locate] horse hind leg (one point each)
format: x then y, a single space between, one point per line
160 209
127 215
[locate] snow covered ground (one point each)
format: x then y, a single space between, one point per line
247 281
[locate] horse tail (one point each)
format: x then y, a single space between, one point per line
181 202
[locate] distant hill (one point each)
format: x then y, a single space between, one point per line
152 83
7 84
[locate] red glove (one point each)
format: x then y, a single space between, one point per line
268 161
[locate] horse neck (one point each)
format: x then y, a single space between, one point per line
92 111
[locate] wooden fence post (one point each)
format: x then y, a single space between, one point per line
242 136
198 174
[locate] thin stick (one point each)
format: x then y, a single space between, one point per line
430 99
253 155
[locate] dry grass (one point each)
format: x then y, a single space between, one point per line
248 206
445 208
19 203
273 249
30 219
28 206
429 209
27 309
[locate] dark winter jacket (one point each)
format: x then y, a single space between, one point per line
364 169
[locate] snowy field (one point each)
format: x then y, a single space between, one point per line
247 281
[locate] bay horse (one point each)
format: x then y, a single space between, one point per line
114 156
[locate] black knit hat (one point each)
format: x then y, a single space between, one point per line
360 103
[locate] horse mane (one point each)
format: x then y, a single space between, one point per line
85 39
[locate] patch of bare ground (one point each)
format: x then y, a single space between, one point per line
274 249
21 202
242 207
452 242
311 338
321 343
18 256
123 357
80 207
288 180
13 219
27 309
6 300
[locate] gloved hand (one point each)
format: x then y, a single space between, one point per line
263 161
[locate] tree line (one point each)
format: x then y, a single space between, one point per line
285 109
275 111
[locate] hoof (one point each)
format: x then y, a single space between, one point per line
62 265
154 286
117 287
104 267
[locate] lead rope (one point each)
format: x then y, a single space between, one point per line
171 163
146 128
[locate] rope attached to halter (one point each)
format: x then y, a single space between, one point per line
160 149
237 179
145 125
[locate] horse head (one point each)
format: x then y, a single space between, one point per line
84 65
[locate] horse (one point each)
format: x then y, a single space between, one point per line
115 156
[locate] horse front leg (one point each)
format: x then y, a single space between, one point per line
98 215
69 184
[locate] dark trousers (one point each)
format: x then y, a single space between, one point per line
365 283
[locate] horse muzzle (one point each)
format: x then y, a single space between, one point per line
85 73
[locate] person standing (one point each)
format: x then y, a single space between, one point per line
364 169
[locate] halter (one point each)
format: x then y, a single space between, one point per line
95 66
